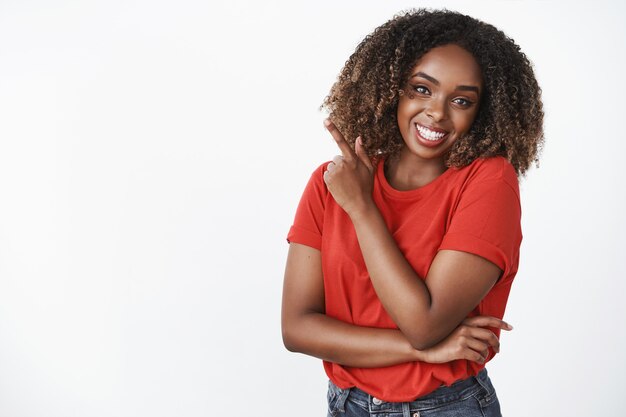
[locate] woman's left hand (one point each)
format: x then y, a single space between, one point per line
350 176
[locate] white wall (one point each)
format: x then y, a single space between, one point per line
152 154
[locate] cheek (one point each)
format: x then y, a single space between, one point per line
464 122
401 107
406 110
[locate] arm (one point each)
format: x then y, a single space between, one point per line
427 310
308 330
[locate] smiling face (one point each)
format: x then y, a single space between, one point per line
439 103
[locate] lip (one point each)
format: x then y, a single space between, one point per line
433 128
430 143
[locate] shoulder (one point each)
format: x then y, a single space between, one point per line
318 173
316 183
321 168
494 169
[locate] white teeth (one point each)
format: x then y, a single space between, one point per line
429 134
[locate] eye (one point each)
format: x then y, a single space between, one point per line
463 102
421 89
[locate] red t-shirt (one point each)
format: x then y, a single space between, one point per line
473 209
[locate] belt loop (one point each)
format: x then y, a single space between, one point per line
406 410
341 401
479 378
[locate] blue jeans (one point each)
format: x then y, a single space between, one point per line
470 397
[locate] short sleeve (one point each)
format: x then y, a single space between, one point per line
487 222
308 223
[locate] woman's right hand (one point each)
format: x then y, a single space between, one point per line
470 341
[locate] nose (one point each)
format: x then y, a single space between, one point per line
436 110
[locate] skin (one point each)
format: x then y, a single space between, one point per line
443 92
306 329
431 313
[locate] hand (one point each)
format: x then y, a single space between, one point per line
349 177
470 341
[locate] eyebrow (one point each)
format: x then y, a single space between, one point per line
436 82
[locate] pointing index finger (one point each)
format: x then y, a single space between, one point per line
345 148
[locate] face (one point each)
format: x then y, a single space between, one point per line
439 103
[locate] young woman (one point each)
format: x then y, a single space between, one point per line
404 247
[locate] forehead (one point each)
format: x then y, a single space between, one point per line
450 64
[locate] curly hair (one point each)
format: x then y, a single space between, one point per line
364 99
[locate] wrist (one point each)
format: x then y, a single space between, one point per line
408 351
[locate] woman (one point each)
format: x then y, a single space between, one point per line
404 248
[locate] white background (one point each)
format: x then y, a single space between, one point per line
152 154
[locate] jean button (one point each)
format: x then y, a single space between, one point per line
377 401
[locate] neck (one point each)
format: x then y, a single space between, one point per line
408 171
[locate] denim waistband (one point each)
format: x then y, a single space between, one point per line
458 391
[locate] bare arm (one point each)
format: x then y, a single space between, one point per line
306 329
426 311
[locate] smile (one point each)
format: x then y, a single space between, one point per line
428 134
429 137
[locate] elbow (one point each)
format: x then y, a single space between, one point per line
298 331
289 342
422 334
421 344
422 340
291 338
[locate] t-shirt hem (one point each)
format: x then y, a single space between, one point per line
477 246
305 237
